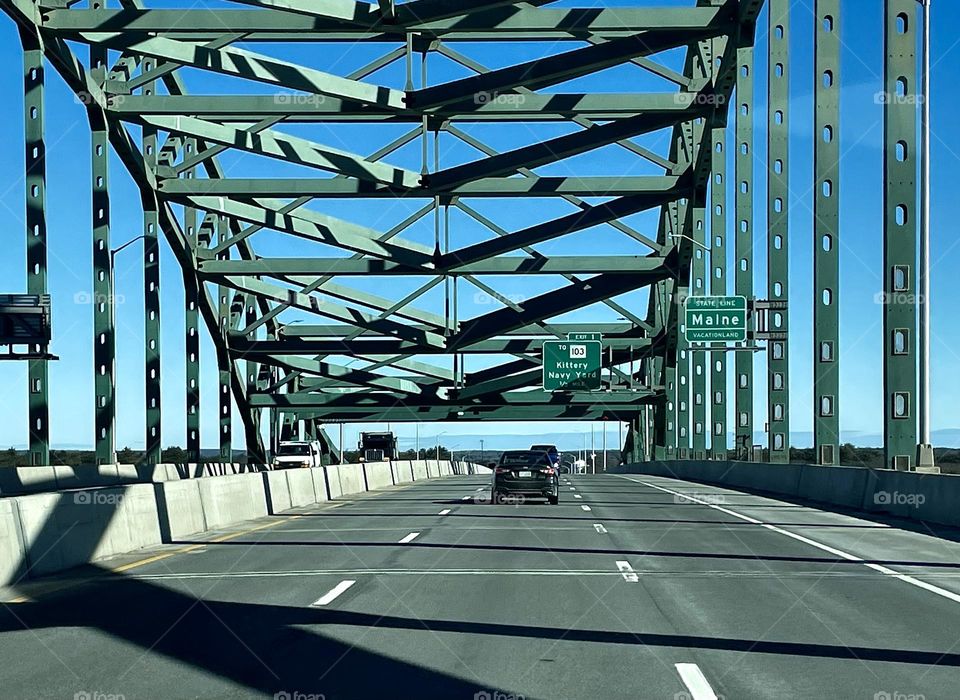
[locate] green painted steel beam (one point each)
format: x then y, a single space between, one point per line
251 66
191 325
151 296
698 360
901 215
719 399
826 247
272 25
225 403
306 330
743 276
35 181
104 338
558 68
296 108
292 149
778 227
488 187
314 226
553 265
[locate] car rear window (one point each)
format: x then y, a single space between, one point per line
523 458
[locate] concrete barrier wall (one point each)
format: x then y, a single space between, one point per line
351 478
11 542
48 532
930 498
231 499
181 509
378 475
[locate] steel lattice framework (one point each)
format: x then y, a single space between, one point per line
405 353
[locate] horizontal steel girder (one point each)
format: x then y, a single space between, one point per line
558 265
276 25
487 187
310 108
240 346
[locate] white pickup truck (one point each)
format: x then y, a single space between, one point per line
295 455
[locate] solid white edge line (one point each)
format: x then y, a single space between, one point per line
586 508
949 595
332 594
627 572
444 511
696 682
409 538
599 528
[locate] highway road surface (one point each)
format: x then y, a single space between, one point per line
632 587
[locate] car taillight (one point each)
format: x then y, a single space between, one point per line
501 470
549 471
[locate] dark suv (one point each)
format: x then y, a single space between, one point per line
526 473
552 452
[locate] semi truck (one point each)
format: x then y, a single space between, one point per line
377 447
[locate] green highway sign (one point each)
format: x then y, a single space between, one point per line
571 365
716 319
584 336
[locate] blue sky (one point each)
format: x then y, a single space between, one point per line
860 239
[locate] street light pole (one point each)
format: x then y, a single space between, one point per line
925 455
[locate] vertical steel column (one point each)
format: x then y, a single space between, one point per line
151 291
826 217
253 374
698 358
104 310
901 86
718 287
192 325
35 178
743 277
778 239
680 396
223 357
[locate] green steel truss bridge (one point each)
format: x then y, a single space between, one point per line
405 353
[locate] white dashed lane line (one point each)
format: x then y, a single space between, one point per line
332 594
696 682
586 508
627 572
410 538
445 511
599 528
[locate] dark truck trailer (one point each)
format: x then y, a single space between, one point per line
377 447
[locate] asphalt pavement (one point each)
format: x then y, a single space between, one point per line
631 587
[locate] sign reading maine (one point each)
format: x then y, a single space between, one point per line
716 319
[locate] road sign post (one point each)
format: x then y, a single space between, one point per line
571 365
716 319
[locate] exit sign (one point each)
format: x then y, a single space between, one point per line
571 365
716 319
584 336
